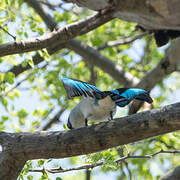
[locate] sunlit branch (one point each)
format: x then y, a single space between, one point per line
20 82
60 35
122 41
17 85
91 166
53 120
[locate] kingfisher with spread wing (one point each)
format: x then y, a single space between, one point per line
98 105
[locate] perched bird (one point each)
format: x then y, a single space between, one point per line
161 36
98 105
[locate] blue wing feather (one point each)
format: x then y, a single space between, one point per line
124 96
79 88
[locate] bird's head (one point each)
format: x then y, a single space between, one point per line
145 96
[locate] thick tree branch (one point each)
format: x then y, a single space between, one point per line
90 139
60 35
10 167
91 166
166 66
151 14
39 8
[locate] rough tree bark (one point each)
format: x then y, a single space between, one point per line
151 14
20 147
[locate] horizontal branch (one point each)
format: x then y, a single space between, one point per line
91 166
93 138
121 41
60 35
37 145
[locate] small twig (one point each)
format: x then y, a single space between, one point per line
14 37
91 166
161 141
146 57
122 41
53 120
93 74
18 84
121 153
129 171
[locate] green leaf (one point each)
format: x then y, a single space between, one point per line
24 64
30 62
10 77
30 177
59 178
2 77
22 113
41 162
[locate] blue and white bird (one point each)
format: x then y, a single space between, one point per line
98 105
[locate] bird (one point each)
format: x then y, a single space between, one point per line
98 105
161 36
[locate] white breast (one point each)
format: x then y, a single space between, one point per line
100 111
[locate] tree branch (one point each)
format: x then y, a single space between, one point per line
53 120
26 146
122 41
10 167
172 175
149 14
60 35
91 166
39 8
14 37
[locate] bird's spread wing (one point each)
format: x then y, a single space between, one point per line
79 88
124 96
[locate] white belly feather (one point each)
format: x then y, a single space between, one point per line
90 110
100 111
